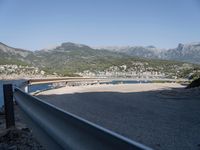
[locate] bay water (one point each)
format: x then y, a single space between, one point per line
32 88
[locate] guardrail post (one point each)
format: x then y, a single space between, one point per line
25 88
9 107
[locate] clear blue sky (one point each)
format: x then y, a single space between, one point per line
37 24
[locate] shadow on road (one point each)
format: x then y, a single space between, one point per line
165 119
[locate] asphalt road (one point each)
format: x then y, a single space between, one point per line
157 119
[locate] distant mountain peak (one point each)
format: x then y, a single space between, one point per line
66 46
10 51
3 44
180 47
150 46
70 44
5 47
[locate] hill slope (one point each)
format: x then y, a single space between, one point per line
9 55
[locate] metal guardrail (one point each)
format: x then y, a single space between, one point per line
59 130
80 79
68 79
25 85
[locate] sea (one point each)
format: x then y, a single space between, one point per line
47 86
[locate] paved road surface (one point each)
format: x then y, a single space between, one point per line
164 120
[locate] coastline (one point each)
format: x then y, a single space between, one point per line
136 87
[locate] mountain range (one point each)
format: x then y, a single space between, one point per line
71 57
183 52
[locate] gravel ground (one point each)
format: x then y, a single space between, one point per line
161 116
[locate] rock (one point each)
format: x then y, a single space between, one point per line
19 137
195 83
15 139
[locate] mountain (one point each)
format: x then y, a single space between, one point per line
69 58
10 55
9 51
184 52
138 51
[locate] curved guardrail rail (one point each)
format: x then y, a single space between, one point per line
59 130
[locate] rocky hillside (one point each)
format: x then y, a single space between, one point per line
9 55
139 51
184 52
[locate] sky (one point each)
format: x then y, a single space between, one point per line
38 24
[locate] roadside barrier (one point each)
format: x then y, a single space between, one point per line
58 130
